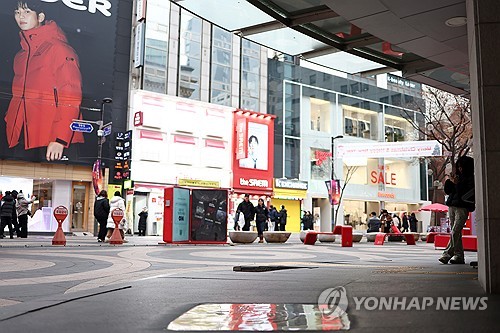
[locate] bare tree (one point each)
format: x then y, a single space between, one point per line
350 171
447 119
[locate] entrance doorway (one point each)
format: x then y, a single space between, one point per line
79 204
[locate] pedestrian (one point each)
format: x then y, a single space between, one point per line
46 89
282 218
143 218
396 221
456 187
6 211
386 221
15 223
261 217
413 222
248 210
303 220
373 223
311 219
101 213
116 202
22 208
307 221
273 218
405 222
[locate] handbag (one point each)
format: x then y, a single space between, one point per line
469 196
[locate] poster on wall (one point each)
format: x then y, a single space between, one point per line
209 215
257 147
70 47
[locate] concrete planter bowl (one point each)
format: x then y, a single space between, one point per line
276 236
325 238
303 234
370 236
243 237
423 237
356 238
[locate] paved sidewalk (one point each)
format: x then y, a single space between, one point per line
142 286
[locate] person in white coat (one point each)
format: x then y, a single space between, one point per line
116 202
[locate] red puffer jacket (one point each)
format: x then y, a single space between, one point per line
46 90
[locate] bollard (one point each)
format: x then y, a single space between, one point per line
117 216
346 234
60 213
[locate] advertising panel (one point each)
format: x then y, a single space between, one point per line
180 225
253 164
390 149
209 215
58 62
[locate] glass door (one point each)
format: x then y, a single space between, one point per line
79 206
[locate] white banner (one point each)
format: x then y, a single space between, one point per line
389 149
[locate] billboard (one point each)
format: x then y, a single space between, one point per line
58 61
389 149
253 152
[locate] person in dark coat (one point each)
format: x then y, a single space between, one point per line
101 212
459 209
248 210
6 211
261 217
273 217
413 222
143 218
307 221
405 222
283 217
15 223
373 223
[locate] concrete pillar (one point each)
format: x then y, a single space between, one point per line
483 29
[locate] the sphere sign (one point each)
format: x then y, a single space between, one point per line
60 213
117 215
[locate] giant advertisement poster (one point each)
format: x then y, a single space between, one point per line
257 147
180 219
209 215
57 64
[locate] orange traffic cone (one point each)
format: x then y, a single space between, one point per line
59 238
116 237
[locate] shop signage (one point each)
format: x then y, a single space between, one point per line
400 81
390 149
123 154
290 184
199 183
138 118
321 156
252 182
241 138
386 195
381 177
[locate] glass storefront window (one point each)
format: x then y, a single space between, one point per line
321 164
156 50
292 110
360 122
221 66
396 127
320 115
250 75
190 56
292 158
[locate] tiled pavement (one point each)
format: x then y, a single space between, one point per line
148 285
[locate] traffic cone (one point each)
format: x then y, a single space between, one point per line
59 238
116 237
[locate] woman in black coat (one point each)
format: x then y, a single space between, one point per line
143 218
261 217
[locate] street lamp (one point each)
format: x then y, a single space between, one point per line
332 178
100 131
333 154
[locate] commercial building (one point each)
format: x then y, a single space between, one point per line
73 89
